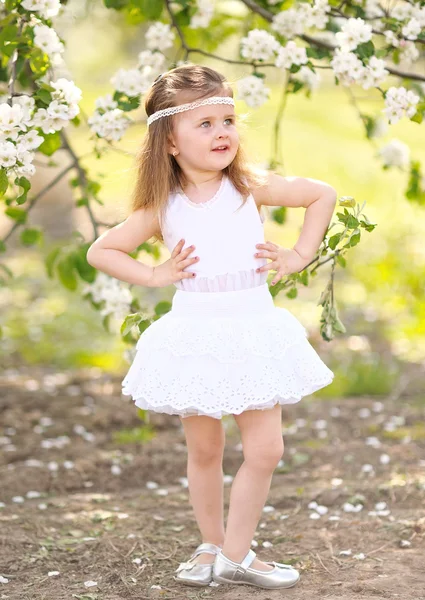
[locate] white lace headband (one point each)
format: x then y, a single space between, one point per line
182 107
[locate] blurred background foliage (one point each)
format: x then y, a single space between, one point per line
379 294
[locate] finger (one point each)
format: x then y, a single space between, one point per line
186 274
177 248
269 266
267 245
184 253
266 254
277 277
181 264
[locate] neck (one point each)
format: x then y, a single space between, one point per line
199 181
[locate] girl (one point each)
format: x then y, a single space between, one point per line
223 348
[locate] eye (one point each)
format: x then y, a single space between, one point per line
204 122
231 119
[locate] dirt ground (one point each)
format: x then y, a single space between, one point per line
84 500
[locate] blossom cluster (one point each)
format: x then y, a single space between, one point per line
349 69
395 154
108 120
19 125
400 102
114 296
203 15
296 20
44 8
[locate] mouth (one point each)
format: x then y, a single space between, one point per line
221 149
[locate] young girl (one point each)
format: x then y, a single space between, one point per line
223 348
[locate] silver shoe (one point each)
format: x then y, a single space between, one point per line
193 573
227 571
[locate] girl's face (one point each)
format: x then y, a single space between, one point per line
197 134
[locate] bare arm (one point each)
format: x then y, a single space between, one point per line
109 253
316 196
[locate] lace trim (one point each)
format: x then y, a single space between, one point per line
199 385
207 202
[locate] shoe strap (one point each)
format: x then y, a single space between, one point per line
207 548
244 564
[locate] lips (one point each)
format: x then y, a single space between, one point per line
221 148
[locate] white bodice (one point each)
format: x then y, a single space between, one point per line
224 238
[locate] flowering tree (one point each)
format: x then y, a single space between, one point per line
368 43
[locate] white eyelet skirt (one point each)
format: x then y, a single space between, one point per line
221 353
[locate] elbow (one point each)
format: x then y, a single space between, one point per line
91 256
332 194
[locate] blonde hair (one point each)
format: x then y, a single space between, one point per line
158 172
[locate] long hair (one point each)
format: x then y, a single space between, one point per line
158 172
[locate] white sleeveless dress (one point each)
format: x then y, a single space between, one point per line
224 347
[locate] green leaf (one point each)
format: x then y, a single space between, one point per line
39 62
354 239
44 95
18 214
85 271
338 326
52 142
279 215
66 272
151 9
4 182
129 322
417 117
341 260
365 50
116 4
162 307
334 240
29 237
293 293
50 261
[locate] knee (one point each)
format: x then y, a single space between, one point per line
206 452
265 456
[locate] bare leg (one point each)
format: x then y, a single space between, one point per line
205 440
262 442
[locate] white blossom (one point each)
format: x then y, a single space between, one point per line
373 9
296 20
291 54
132 82
252 90
8 154
259 45
346 66
114 293
395 154
408 52
353 32
412 29
373 74
111 125
155 60
159 36
66 91
391 38
402 11
310 78
203 15
288 24
399 102
11 120
45 8
48 40
105 102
